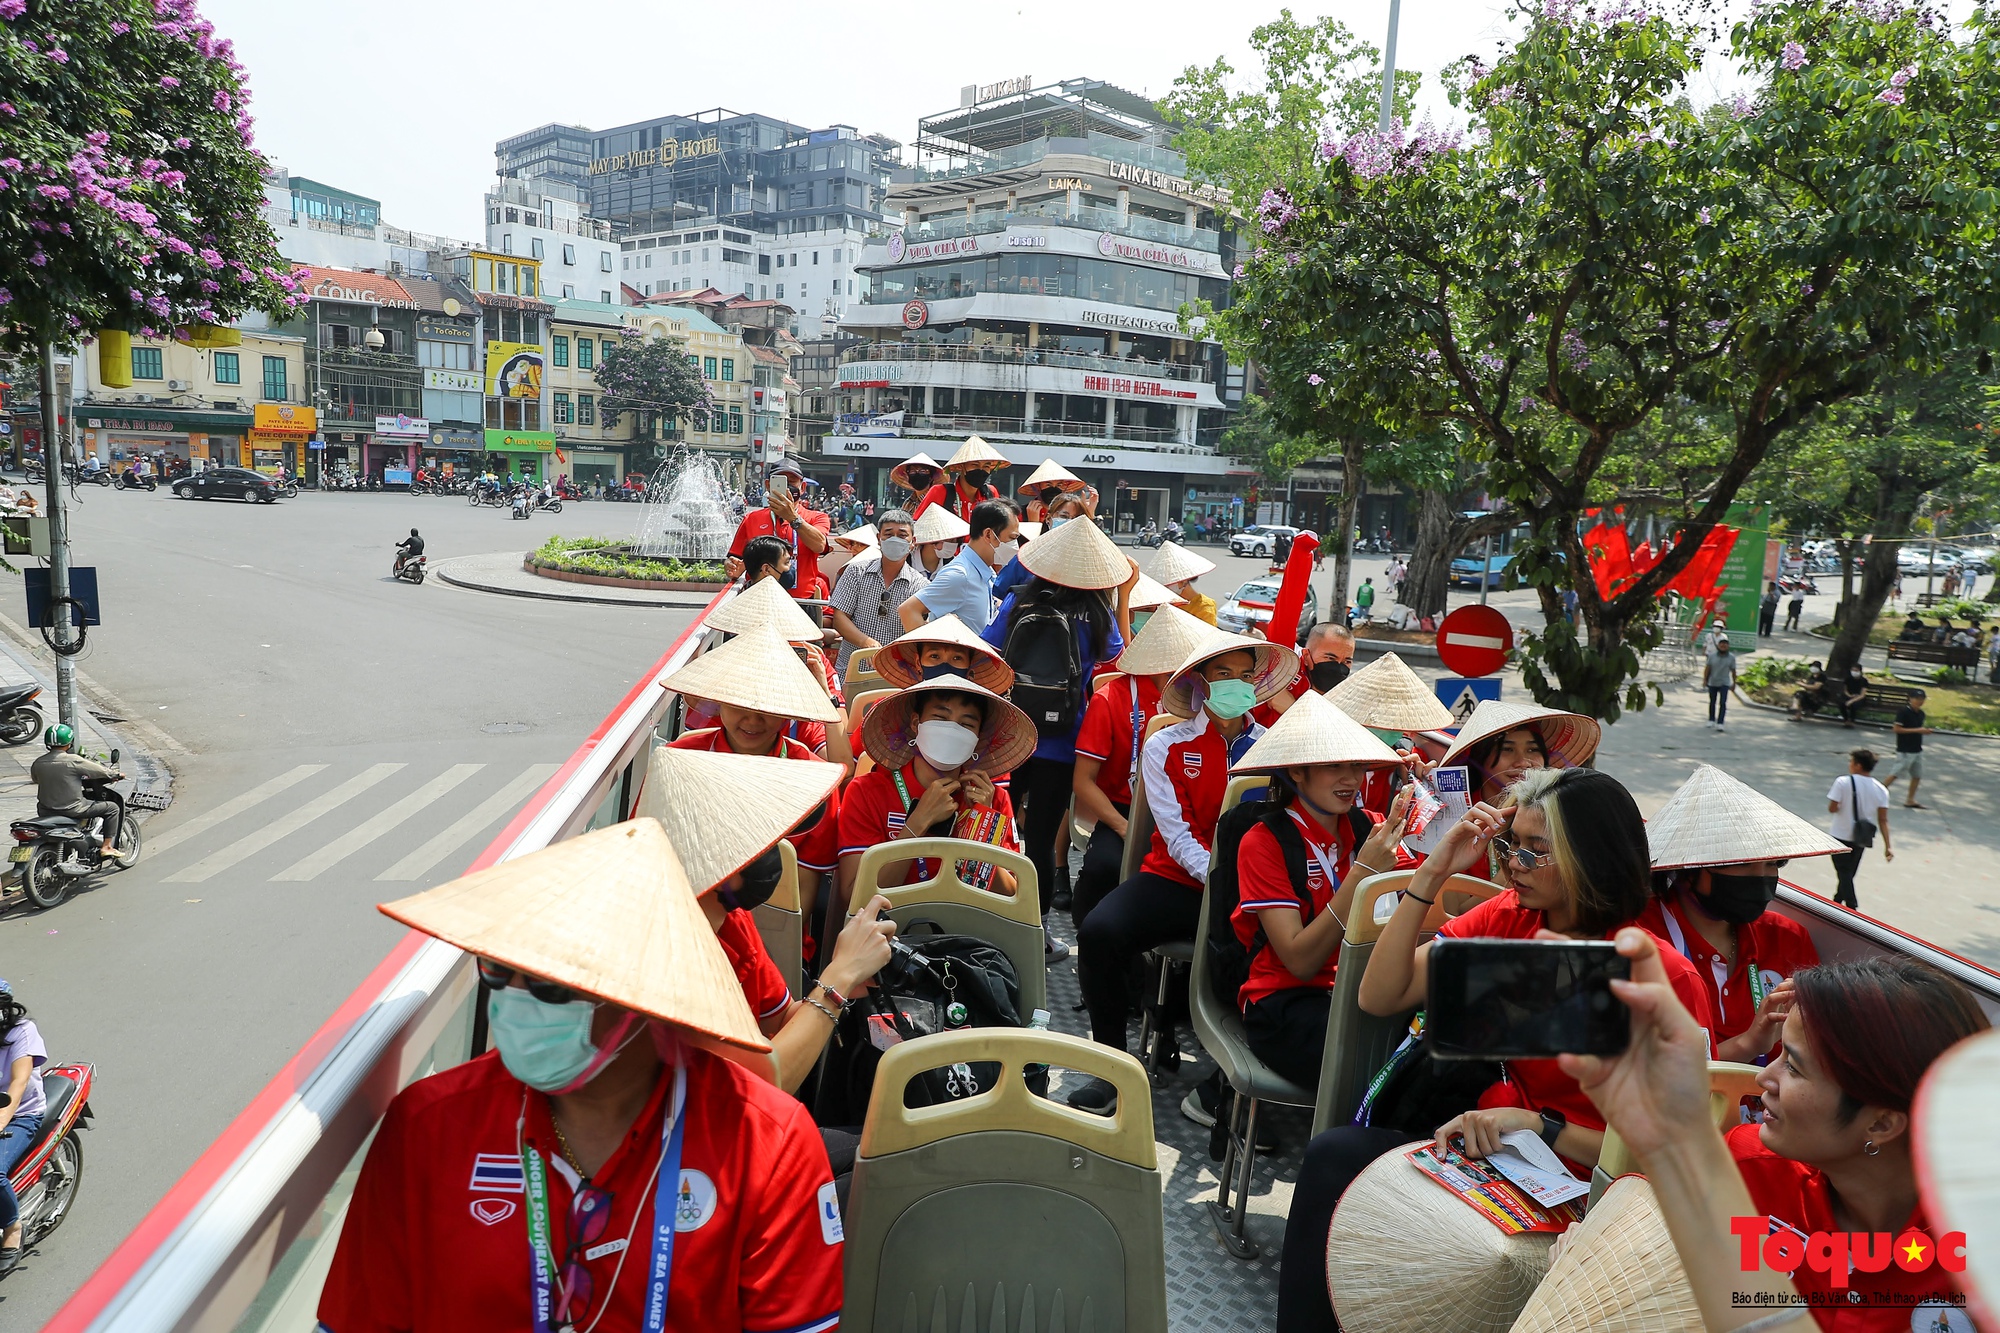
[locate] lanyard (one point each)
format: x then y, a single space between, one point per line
1132 683
1679 940
1313 850
923 871
541 1252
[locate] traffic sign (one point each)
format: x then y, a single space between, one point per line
1461 696
1474 640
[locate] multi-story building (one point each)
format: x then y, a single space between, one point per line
550 153
1035 295
582 333
545 220
512 357
239 406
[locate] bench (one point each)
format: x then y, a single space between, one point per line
1880 704
1933 598
1936 654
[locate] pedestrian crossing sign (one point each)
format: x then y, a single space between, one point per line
1462 695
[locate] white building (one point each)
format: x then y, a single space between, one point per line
541 218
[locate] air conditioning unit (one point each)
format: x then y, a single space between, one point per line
177 386
142 397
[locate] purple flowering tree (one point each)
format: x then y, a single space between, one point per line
129 183
1597 251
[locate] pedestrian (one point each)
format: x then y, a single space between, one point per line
1896 592
1853 690
1720 677
1364 599
1910 732
1860 809
1794 609
873 586
1767 610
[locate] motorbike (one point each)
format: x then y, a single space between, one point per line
523 507
551 504
46 1179
128 481
20 720
412 570
84 476
1792 583
52 853
1150 536
284 488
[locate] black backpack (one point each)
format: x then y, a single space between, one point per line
1228 960
1041 646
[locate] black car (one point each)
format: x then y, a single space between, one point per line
226 483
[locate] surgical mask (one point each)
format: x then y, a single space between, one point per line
1737 899
788 579
1004 554
976 477
548 1046
895 548
1139 619
1055 523
946 745
1231 698
948 550
1325 675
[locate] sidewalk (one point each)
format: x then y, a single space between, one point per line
501 572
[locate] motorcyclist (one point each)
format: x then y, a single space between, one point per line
408 549
59 777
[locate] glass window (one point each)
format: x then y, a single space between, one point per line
735 422
228 368
562 411
569 291
604 296
586 350
559 354
708 367
586 409
503 275
146 364
527 280
274 378
535 246
604 263
728 369
569 254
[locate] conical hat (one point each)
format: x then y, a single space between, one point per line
1077 555
1005 742
1277 666
608 913
900 474
1314 731
1387 696
1569 739
1052 473
858 539
1714 820
722 811
1176 564
1169 636
765 605
1960 1190
756 670
976 452
939 524
1148 593
1467 1275
1029 531
1618 1271
897 662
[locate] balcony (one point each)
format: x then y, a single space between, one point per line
994 354
1090 219
1168 441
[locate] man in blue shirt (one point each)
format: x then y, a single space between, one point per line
964 587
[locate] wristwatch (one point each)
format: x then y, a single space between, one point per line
1553 1123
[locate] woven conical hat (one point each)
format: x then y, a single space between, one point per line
1467 1275
722 811
755 670
1388 696
897 663
858 539
976 452
1005 742
1277 666
1077 555
1960 1189
765 605
1618 1272
1176 564
900 475
1569 739
610 914
1314 731
1164 643
1029 531
1148 593
939 524
1714 820
1052 473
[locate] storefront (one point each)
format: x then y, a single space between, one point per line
452 453
393 454
278 434
525 453
117 435
595 468
340 454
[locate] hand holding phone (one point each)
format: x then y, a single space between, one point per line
1525 999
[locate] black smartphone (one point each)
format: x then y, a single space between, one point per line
1525 999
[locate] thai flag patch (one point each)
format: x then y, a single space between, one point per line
895 821
1192 758
497 1173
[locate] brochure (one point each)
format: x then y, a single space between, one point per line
1453 788
1492 1194
1534 1166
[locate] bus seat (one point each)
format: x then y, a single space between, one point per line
1139 823
857 713
1728 1085
1358 1043
954 1207
1010 922
780 923
861 673
1220 1030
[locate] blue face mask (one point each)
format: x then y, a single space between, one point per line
1230 698
547 1046
1055 523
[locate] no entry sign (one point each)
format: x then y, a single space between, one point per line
1474 640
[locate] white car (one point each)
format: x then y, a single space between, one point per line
1265 539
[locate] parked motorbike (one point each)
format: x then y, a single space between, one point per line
412 571
128 481
1792 583
20 720
47 1178
53 852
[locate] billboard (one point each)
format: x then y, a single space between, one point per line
514 370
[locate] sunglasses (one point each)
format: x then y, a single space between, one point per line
589 1216
1522 856
499 976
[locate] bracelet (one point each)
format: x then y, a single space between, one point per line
832 1017
834 995
1411 893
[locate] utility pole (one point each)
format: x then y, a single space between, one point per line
59 610
1389 68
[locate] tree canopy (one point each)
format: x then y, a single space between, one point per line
656 379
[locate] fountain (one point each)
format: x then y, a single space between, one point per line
687 510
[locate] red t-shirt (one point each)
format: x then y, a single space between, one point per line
1186 771
1537 1084
436 1238
764 523
1775 945
763 984
872 810
1795 1197
1108 734
815 846
959 504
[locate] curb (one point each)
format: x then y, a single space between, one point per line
1404 650
144 745
1873 726
443 570
528 566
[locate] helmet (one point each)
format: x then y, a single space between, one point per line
58 737
413 532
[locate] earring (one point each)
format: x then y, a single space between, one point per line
1868 1147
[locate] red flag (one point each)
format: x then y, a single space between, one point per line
1608 550
1284 625
1697 581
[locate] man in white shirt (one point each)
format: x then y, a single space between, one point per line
1857 794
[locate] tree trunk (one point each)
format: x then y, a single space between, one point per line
1844 549
1343 538
1878 576
1429 576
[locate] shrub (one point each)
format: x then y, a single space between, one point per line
1760 672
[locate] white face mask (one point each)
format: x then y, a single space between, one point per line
895 548
946 745
1004 553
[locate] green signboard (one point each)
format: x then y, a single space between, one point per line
1742 578
520 441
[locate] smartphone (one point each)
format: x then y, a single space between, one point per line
1525 999
779 484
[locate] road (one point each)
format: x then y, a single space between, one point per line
351 739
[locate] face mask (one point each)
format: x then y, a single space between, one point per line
1049 494
757 882
1139 619
1737 899
945 745
895 548
976 477
548 1046
948 550
921 478
1231 698
1055 523
789 579
1325 675
936 669
1004 554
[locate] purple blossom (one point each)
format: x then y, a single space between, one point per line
179 246
1314 380
183 142
1373 153
1237 272
39 259
169 81
57 54
8 107
211 258
220 101
1275 209
138 297
1794 56
210 286
13 9
1491 363
1893 96
6 297
1575 352
120 28
1806 290
55 192
1527 403
1741 107
159 305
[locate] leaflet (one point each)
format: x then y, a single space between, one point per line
1453 789
1534 1166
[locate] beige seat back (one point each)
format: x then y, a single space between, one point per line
861 673
1139 823
1010 922
1358 1043
1006 1210
857 712
780 923
1728 1085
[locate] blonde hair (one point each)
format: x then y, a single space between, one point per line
1598 840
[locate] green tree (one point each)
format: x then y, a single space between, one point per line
656 380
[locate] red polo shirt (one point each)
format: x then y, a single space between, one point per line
815 846
763 985
764 523
436 1238
1776 946
961 506
872 811
1111 729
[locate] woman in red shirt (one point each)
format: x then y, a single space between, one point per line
1045 485
1502 742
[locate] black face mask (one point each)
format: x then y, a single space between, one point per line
976 477
1049 494
1737 899
936 669
921 478
789 579
758 881
1325 675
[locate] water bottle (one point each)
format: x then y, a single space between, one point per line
1039 1020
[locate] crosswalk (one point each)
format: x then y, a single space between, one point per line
323 822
